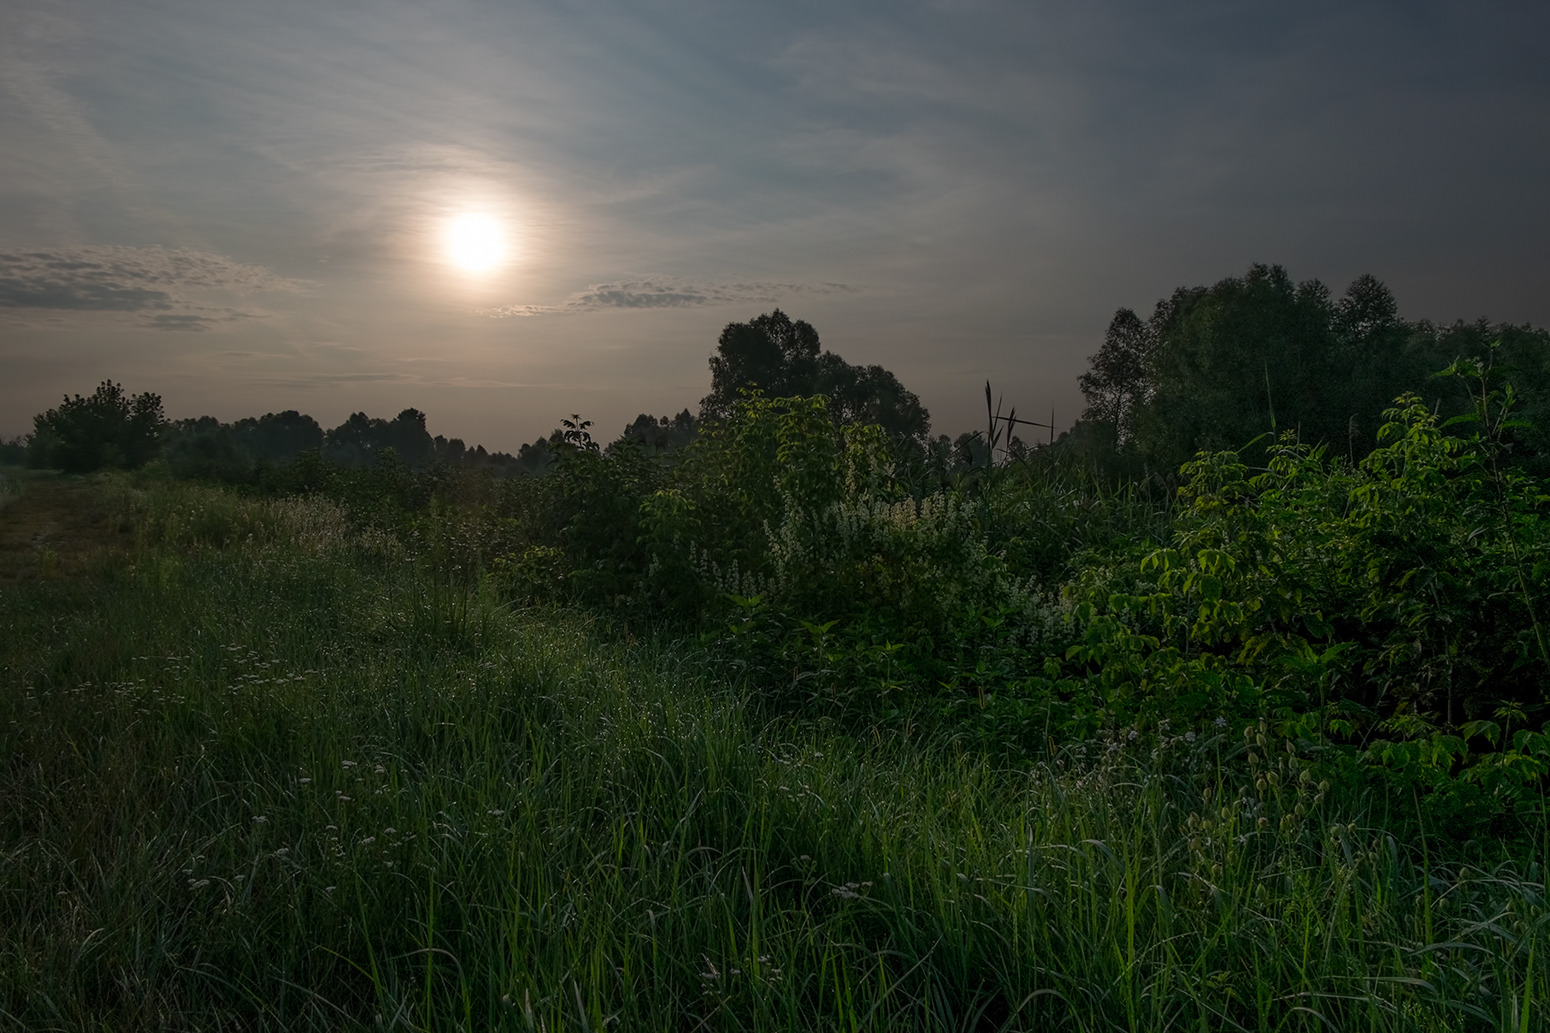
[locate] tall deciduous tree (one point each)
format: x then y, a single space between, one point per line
1371 366
360 439
279 436
107 429
782 358
1216 367
1246 357
1115 384
771 354
870 394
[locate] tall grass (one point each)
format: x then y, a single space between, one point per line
10 485
272 774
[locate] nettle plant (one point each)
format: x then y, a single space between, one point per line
1392 607
918 576
705 528
825 564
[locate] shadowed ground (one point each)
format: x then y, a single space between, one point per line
55 526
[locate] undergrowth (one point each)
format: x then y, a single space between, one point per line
279 771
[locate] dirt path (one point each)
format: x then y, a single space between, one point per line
55 526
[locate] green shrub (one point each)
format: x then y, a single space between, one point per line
108 429
1392 607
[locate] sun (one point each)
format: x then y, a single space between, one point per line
475 242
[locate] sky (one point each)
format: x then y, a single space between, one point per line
248 207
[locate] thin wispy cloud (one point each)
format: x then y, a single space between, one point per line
326 381
671 293
162 284
37 100
186 322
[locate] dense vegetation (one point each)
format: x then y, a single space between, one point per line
1214 368
790 716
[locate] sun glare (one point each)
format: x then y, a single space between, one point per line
475 242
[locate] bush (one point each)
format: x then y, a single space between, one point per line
14 452
109 430
1391 607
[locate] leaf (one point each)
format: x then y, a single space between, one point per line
1488 730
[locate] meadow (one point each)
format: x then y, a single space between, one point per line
266 766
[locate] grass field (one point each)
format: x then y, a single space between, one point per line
259 770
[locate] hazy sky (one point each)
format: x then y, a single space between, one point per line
244 206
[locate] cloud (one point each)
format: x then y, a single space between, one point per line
487 382
666 292
329 380
20 292
641 295
158 282
191 321
508 311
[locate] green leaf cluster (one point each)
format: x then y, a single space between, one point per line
1393 606
107 429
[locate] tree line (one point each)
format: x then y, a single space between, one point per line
1211 368
1217 367
771 354
1272 507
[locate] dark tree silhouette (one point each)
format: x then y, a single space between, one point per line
108 429
1249 356
1115 384
656 435
1217 367
871 394
779 357
770 354
360 439
1370 363
279 437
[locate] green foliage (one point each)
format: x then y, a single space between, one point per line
1386 609
1394 606
577 531
1390 607
106 430
776 357
360 439
1218 367
746 474
14 452
274 771
1241 359
245 452
834 580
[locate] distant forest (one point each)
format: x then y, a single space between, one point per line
1231 366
